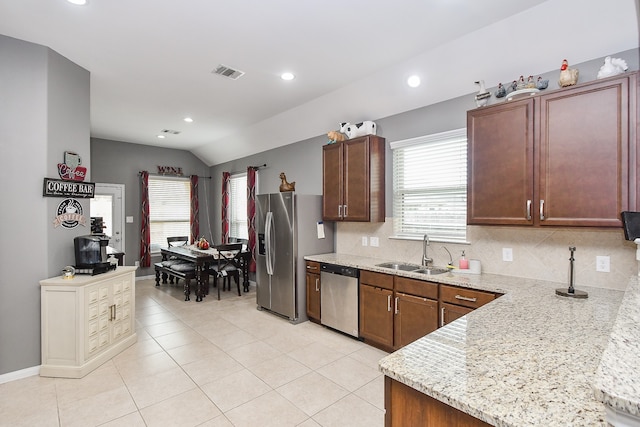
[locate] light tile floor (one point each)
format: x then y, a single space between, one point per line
213 363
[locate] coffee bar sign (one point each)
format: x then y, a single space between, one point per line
60 188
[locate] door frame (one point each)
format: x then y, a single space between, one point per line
118 192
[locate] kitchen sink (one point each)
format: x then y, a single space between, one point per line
399 266
431 271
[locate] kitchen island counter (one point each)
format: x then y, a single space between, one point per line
529 358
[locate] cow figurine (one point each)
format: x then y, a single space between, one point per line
359 129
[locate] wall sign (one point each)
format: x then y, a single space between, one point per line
170 170
71 170
59 188
69 214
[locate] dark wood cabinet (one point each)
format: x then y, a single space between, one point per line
407 407
414 318
455 302
353 180
376 316
565 158
395 311
313 291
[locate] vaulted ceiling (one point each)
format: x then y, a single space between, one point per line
151 61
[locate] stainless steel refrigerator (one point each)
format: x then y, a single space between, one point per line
289 227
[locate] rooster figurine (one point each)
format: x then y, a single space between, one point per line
483 95
568 76
612 67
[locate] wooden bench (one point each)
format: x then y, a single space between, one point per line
168 272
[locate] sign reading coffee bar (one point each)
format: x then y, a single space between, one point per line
60 188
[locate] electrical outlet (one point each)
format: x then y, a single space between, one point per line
374 241
137 263
507 254
364 241
603 264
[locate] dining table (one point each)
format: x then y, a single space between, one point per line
202 259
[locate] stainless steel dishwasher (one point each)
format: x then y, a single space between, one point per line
339 298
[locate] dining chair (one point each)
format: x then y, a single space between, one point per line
172 262
226 266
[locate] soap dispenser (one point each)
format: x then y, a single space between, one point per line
463 264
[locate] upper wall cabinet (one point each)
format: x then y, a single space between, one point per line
566 158
353 180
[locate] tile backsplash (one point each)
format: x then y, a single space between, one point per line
538 253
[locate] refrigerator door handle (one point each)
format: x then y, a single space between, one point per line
269 242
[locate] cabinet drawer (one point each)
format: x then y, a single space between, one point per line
471 298
376 279
417 287
313 267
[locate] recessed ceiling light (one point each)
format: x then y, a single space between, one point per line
78 2
188 119
413 81
161 137
287 76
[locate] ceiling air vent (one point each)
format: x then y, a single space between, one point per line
224 71
170 131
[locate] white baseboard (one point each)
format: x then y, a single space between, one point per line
18 375
153 276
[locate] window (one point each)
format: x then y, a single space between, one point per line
169 209
430 187
238 227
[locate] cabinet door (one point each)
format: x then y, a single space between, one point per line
376 315
332 182
313 296
451 312
356 179
415 317
584 149
500 159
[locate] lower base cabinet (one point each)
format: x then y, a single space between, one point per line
395 311
86 321
313 290
407 407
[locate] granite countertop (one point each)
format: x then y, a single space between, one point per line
528 358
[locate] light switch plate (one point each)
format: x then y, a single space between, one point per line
507 254
129 220
364 241
374 241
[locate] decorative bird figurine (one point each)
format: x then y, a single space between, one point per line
542 84
513 86
521 84
483 95
501 92
568 76
612 67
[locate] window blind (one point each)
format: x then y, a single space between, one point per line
169 209
430 186
238 227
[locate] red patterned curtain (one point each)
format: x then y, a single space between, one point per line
145 229
251 214
195 209
226 176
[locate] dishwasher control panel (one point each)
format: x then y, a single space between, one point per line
340 270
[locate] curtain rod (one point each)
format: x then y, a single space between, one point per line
170 174
252 167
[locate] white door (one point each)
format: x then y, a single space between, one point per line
108 203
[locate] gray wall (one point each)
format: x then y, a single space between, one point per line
44 111
302 161
116 162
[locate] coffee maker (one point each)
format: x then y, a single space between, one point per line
91 254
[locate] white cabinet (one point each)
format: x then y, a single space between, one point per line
86 321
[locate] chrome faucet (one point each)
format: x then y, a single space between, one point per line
426 262
450 257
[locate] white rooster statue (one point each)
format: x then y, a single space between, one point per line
612 67
483 95
568 76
